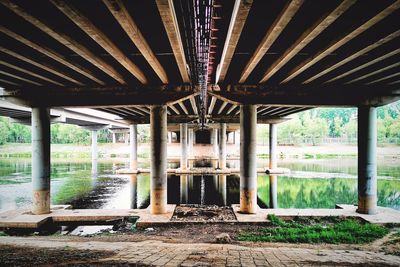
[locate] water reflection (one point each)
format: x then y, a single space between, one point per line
73 183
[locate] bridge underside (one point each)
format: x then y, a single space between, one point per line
202 62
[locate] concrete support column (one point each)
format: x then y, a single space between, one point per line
248 168
158 163
222 146
126 138
190 141
367 168
114 138
133 146
41 160
94 151
184 154
273 191
273 141
169 137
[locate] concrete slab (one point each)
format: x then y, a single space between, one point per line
211 171
148 219
23 218
384 215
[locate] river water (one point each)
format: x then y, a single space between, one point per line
313 183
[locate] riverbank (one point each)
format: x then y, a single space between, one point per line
120 150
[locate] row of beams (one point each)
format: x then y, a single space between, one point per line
8 82
239 15
121 14
19 78
363 66
168 16
272 34
361 52
51 54
231 109
31 61
385 78
374 72
99 37
66 41
30 73
306 38
341 41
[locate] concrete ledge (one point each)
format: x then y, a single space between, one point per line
210 170
277 171
147 219
384 215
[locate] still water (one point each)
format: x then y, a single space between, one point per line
311 184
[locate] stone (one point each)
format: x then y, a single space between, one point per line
223 238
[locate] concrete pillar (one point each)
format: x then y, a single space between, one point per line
114 138
222 146
158 163
133 191
133 147
190 141
273 141
169 137
222 188
184 154
248 168
126 138
184 189
94 151
41 160
273 191
367 168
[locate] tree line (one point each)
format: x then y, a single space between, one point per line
313 124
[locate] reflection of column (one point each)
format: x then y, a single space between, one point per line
190 182
273 192
158 163
367 181
222 188
273 140
41 160
183 146
94 152
215 182
133 191
202 190
133 146
184 189
222 146
248 168
214 141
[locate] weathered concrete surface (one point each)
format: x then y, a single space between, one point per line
63 214
158 253
383 215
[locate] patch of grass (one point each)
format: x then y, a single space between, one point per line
3 234
347 231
